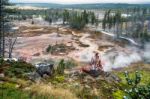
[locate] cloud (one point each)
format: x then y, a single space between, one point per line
82 1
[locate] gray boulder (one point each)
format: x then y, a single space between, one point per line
45 69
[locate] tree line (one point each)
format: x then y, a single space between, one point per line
134 23
75 19
7 39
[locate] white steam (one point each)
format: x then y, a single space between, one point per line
118 59
146 53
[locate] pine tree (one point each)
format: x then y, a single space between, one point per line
117 22
4 18
77 21
85 16
104 21
65 16
110 22
3 3
93 18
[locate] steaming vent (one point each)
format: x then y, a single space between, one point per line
119 58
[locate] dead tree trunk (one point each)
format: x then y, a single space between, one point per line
11 46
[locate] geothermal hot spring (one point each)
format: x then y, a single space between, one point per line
114 58
118 59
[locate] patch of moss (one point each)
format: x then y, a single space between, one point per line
60 79
118 94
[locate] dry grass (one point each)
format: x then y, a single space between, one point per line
35 31
50 91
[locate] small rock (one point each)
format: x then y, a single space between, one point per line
87 86
1 82
70 80
17 86
76 84
2 75
27 88
36 54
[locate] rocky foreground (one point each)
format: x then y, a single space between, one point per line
15 80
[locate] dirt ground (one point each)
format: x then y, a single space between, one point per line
33 40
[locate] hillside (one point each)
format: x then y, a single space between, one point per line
85 6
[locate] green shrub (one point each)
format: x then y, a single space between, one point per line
136 91
1 61
69 64
49 48
56 48
18 69
59 48
61 67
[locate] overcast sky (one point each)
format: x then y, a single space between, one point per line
82 1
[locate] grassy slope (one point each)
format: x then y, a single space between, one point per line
60 87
